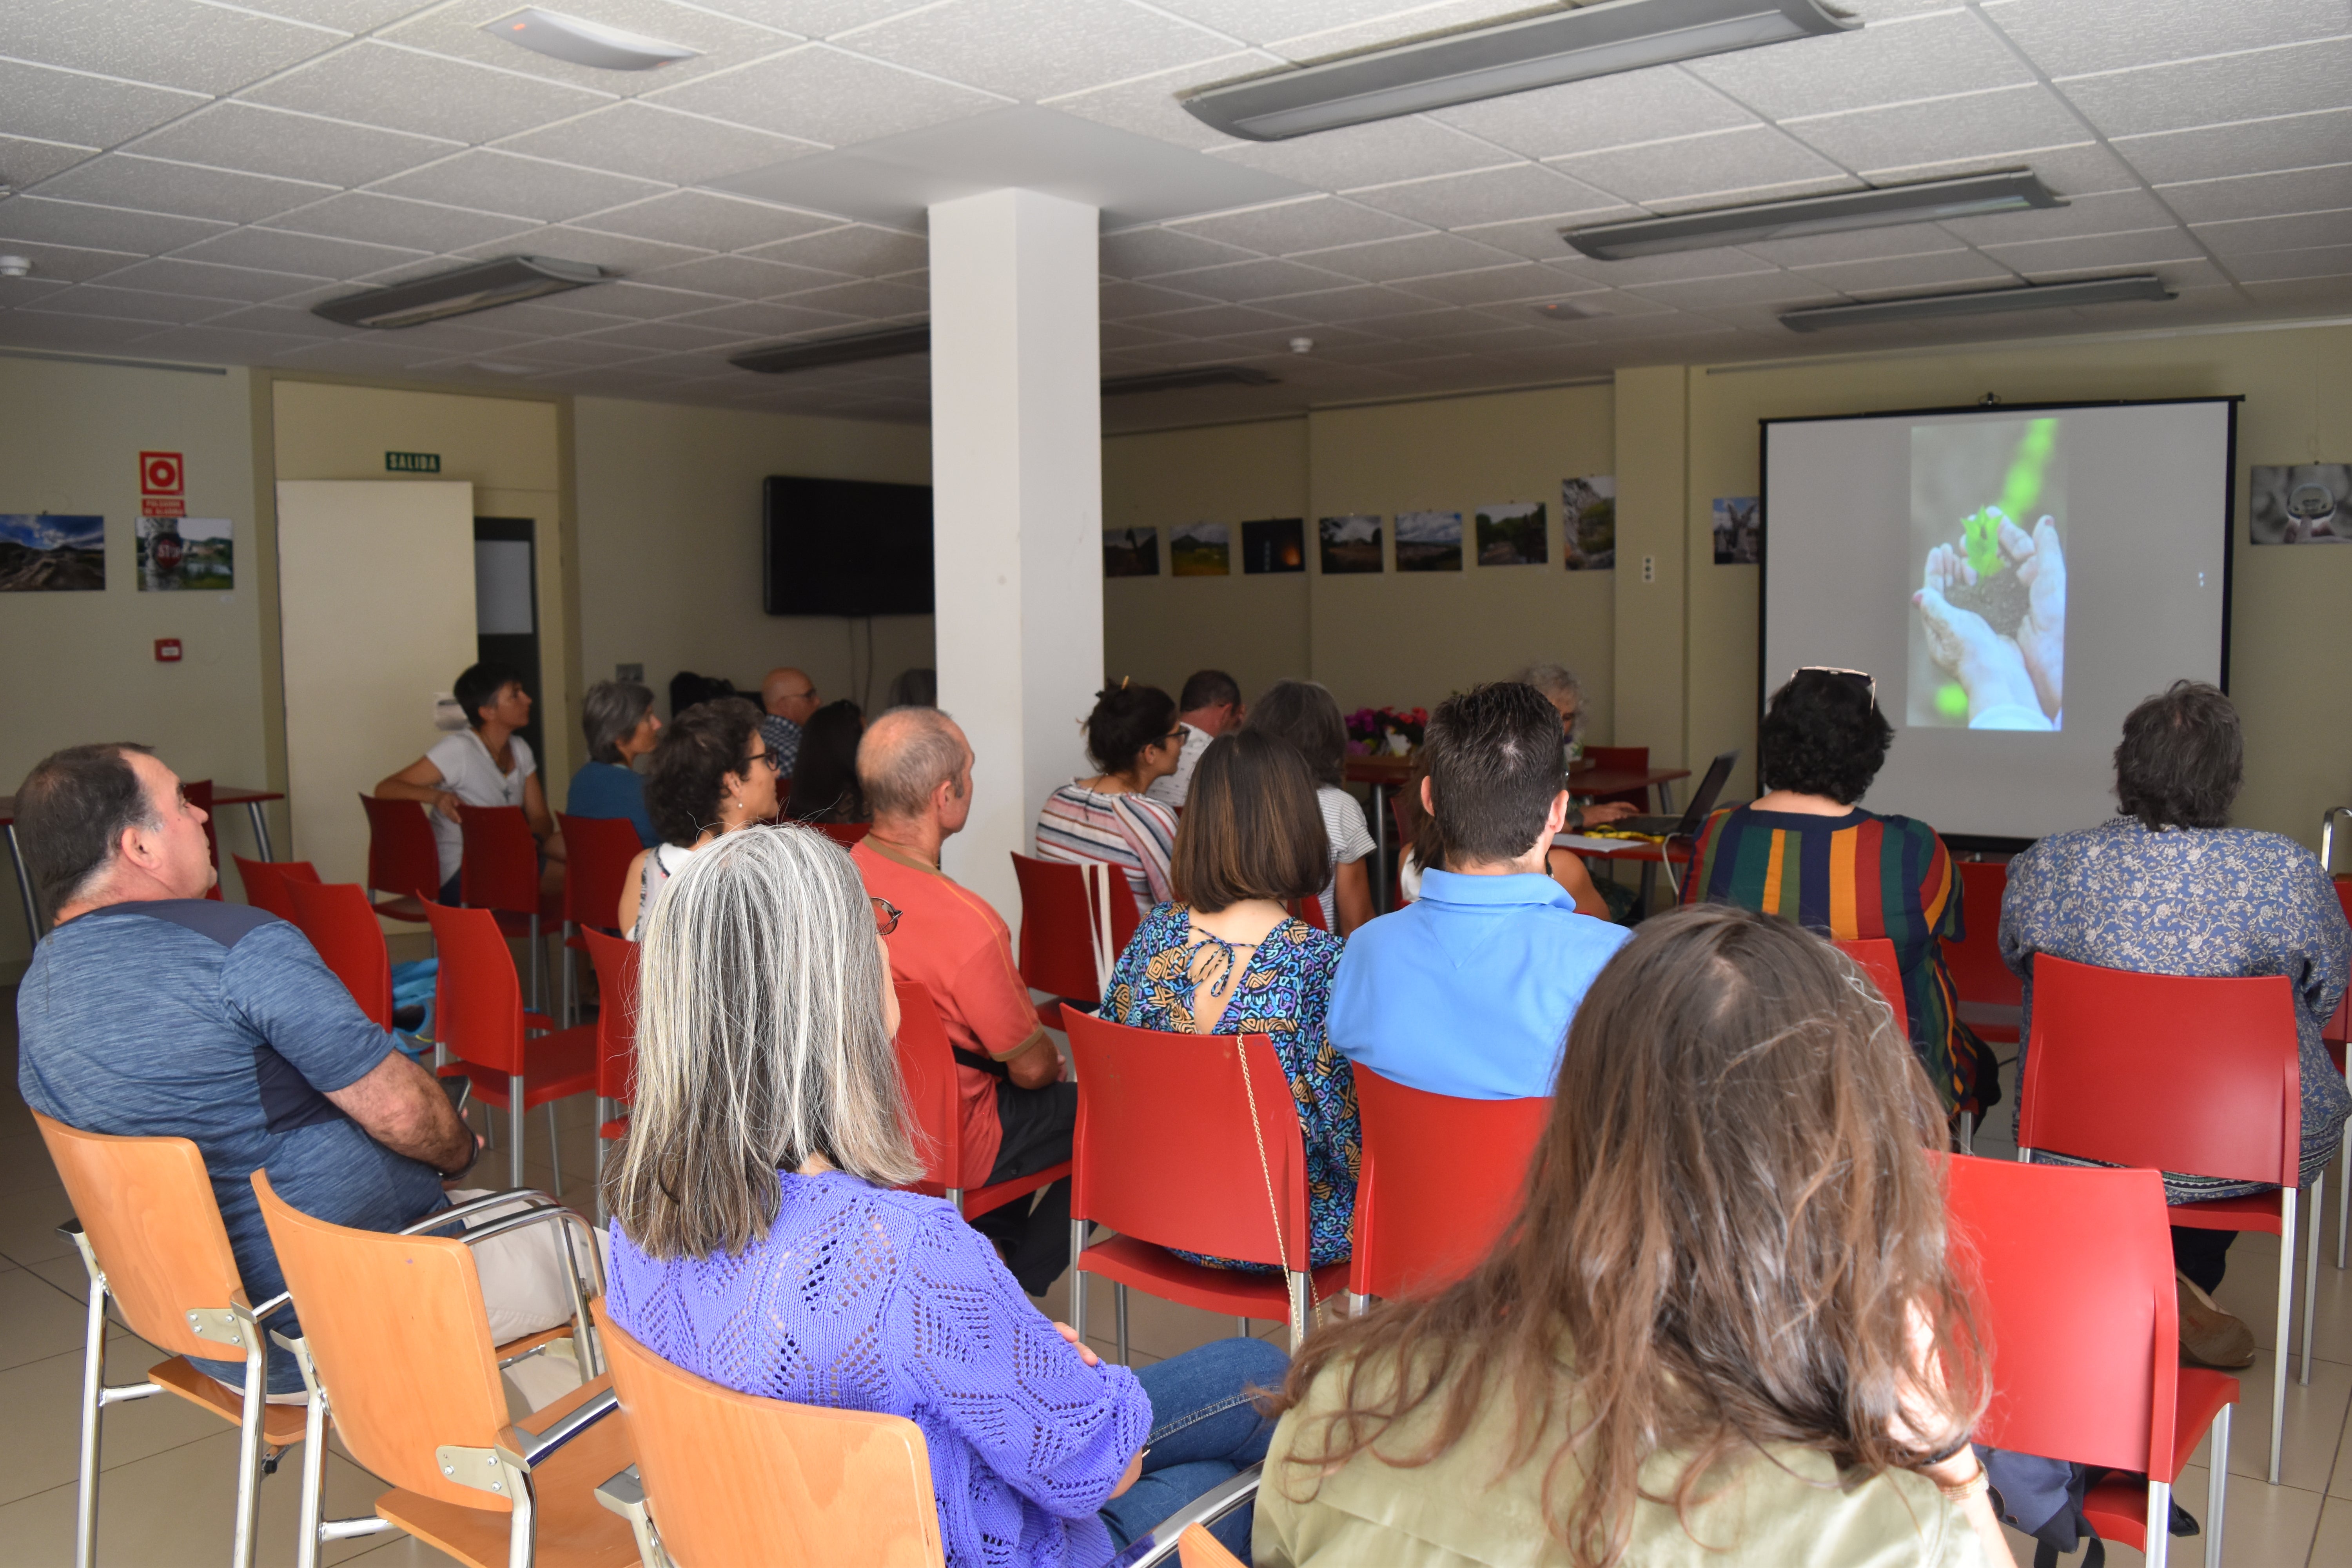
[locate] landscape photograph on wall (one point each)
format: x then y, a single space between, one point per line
1350 544
1429 540
49 552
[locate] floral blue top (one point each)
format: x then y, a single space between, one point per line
1283 991
2192 901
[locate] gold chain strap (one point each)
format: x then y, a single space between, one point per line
1257 1131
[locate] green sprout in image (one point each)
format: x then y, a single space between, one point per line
2020 493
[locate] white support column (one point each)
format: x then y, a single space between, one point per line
1017 481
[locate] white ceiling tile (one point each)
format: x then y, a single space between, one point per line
1521 280
1120 301
1721 164
1861 245
29 328
2262 195
1146 252
221 345
378 354
2006 124
2283 265
1606 112
584 351
557 316
2081 169
454 28
2243 237
1428 326
247 136
1366 302
2071 37
465 335
1148 105
389 220
275 251
282 320
2314 295
1909 274
24 161
377 84
1750 289
1216 320
1490 195
521 187
16 292
770 320
70 264
638 301
1671 268
1316 223
617 252
1931 56
1393 24
663 335
1414 255
2116 212
872 300
85 111
859 249
2188 273
1246 280
97 227
1376 155
344 16
708 221
1539 239
739 277
2248 147
2097 252
171 43
129 304
2288 80
148 184
826 95
200 279
1028 51
1259 22
655 143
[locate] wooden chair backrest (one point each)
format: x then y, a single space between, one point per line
1196 1548
147 1206
733 1478
402 1341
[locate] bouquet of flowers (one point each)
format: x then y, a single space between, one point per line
1397 731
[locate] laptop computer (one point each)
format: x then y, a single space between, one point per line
1693 816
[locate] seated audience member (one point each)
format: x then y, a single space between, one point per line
915 688
1469 990
712 775
1229 958
621 725
787 698
756 1241
2167 887
1565 692
152 1012
915 767
1805 851
824 789
1710 1339
1210 705
1131 737
486 763
1304 713
1417 833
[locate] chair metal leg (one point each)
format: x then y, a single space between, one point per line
1967 1132
1302 1308
1118 1309
554 1149
514 1129
314 1479
2310 1272
2159 1522
94 1416
2343 1194
248 1445
1077 1278
603 1114
571 978
2216 1485
1242 1326
2285 1327
1357 1305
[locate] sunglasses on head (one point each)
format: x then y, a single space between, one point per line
886 916
1859 677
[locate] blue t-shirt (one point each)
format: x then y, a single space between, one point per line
217 1023
607 789
1468 991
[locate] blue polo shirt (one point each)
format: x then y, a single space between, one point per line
609 790
1468 991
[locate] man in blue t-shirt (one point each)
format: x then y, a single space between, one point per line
1469 991
151 1011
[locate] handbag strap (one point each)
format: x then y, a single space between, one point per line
1264 1166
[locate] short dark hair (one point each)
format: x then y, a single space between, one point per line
1822 735
1208 688
690 764
1251 829
1306 714
480 687
1493 770
71 811
1126 717
824 778
2182 759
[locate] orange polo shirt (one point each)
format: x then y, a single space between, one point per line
951 941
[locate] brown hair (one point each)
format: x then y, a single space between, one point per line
72 811
1251 829
1493 770
1733 1236
2182 760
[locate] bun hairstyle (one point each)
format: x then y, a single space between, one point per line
1126 718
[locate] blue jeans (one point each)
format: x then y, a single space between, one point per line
1204 1431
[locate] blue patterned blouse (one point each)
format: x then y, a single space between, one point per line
1283 991
2192 901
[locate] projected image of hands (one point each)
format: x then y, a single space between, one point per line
1988 624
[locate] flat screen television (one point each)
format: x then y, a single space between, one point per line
845 547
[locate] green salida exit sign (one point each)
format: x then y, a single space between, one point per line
412 462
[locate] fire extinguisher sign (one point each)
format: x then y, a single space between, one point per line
163 485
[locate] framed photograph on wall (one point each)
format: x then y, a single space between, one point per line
1738 530
1131 552
2310 503
1274 545
47 553
187 553
1429 540
1514 533
1201 549
1350 544
1588 517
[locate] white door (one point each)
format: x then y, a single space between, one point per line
376 587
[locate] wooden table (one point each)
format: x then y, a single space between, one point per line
253 800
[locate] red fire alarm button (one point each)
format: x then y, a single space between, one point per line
167 651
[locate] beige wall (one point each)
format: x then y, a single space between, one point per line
669 544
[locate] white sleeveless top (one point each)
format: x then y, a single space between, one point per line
666 861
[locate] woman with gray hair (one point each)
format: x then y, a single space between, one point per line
757 1241
620 723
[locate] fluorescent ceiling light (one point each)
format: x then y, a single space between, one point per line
1978 302
484 287
1178 380
1490 60
1930 201
844 348
583 43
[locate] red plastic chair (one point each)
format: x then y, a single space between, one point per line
927 1062
846 834
1190 1140
1991 998
265 883
336 917
1311 910
1876 956
403 860
615 959
2191 1073
1628 758
1443 1180
2086 1355
501 873
597 851
478 1016
1076 918
2334 1035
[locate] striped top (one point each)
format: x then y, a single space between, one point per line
1132 832
1859 876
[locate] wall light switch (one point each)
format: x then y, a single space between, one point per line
1649 568
167 651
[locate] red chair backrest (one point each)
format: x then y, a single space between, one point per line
934 1101
403 860
615 959
1058 925
2174 1072
500 870
1442 1180
1978 973
597 851
846 834
476 998
2085 1353
265 883
341 925
1876 956
1311 910
1626 758
1168 1151
200 796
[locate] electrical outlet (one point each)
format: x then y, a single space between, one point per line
628 672
1649 568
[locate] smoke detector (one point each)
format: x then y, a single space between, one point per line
1302 345
14 265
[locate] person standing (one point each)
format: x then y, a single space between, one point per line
787 698
1210 704
486 763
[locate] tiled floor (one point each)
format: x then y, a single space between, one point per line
165 1496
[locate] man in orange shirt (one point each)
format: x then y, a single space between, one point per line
915 767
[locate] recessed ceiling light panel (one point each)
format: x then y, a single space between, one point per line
1930 201
1978 302
1566 311
1179 380
583 43
1545 49
842 348
483 287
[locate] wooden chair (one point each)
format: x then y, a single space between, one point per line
150 1235
404 862
266 881
335 916
597 851
731 1477
926 1063
616 1041
396 1344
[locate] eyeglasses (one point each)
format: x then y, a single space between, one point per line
886 916
1176 734
762 755
1868 682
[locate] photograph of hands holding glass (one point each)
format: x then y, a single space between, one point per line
1988 641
